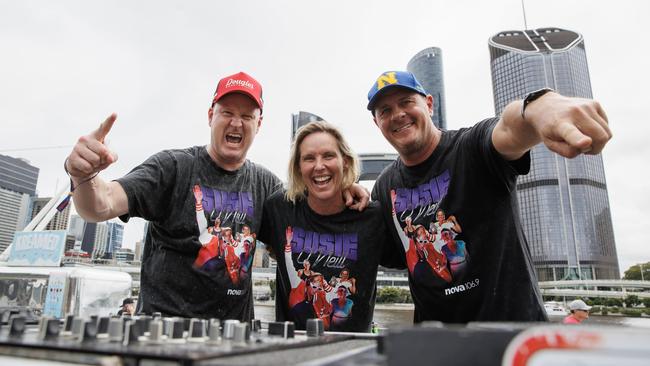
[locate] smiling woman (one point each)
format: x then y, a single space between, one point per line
330 255
322 165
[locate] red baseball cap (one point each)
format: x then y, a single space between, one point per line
240 82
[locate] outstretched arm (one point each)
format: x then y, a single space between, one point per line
288 261
95 199
201 221
567 126
456 226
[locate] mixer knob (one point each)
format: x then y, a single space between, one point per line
155 330
314 327
215 330
283 329
48 328
229 328
115 329
241 333
197 330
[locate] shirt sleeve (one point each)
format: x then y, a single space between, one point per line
505 171
149 187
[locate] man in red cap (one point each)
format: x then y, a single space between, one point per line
184 271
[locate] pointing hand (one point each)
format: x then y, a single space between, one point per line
90 155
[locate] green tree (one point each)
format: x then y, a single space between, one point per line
598 301
646 303
272 286
389 295
406 296
631 300
634 272
614 302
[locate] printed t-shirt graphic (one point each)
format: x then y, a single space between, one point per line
223 250
433 256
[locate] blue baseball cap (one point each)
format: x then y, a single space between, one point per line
391 79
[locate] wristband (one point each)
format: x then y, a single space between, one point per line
66 200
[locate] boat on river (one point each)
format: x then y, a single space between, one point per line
555 309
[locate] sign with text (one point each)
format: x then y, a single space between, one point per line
37 248
56 292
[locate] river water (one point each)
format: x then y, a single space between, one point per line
387 317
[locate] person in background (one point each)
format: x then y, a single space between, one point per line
579 312
127 308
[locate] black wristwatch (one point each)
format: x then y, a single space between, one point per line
532 96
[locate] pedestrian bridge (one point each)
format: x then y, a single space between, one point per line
596 288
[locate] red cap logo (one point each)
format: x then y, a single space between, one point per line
240 83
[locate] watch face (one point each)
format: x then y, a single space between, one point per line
531 97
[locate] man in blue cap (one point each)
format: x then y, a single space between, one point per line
471 174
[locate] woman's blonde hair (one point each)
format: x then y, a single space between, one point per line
296 188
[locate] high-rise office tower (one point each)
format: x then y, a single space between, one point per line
17 187
101 241
563 202
300 119
18 175
115 235
60 219
76 231
426 65
77 225
88 239
139 248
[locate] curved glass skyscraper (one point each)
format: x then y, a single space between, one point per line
563 202
426 65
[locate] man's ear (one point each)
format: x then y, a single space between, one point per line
259 124
374 119
210 113
430 103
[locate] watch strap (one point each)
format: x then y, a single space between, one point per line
531 97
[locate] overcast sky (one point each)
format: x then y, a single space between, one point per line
66 65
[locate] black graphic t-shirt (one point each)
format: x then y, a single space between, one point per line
456 221
329 269
201 241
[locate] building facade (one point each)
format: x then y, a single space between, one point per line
59 221
101 241
124 255
17 188
18 175
76 228
114 239
371 165
300 119
139 249
564 206
426 65
88 239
